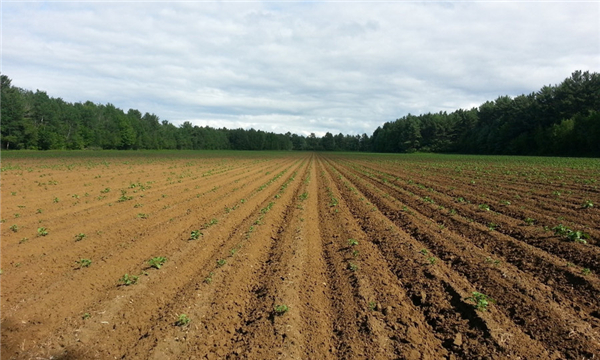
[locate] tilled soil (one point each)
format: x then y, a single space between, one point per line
297 256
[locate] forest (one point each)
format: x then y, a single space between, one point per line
558 120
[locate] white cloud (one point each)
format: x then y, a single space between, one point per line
302 67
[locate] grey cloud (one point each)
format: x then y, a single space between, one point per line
303 67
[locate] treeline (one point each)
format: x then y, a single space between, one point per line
557 120
34 120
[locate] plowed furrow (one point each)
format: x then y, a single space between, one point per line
524 307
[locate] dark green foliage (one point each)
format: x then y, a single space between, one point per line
556 120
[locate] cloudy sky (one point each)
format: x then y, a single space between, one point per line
302 66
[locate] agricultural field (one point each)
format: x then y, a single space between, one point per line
295 255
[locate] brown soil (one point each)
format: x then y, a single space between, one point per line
374 258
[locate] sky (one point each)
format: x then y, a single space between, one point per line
298 66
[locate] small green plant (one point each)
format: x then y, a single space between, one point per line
460 200
17 215
484 207
42 231
372 305
529 221
84 263
424 251
352 242
86 316
195 235
23 240
352 266
142 216
105 191
586 271
489 260
427 199
565 232
432 260
221 262
157 262
280 309
587 204
182 320
138 205
124 196
492 226
209 278
56 200
355 253
39 211
481 301
505 202
14 228
128 280
578 236
80 237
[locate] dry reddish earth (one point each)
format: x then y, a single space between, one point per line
276 230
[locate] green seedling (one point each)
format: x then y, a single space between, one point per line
485 207
280 309
56 200
23 240
352 266
481 301
221 262
157 262
124 197
182 320
352 242
105 191
86 316
586 271
17 215
142 216
424 251
432 260
80 237
372 305
355 253
42 231
209 278
578 236
129 280
14 228
84 263
492 226
565 232
529 221
195 235
587 204
38 211
304 196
